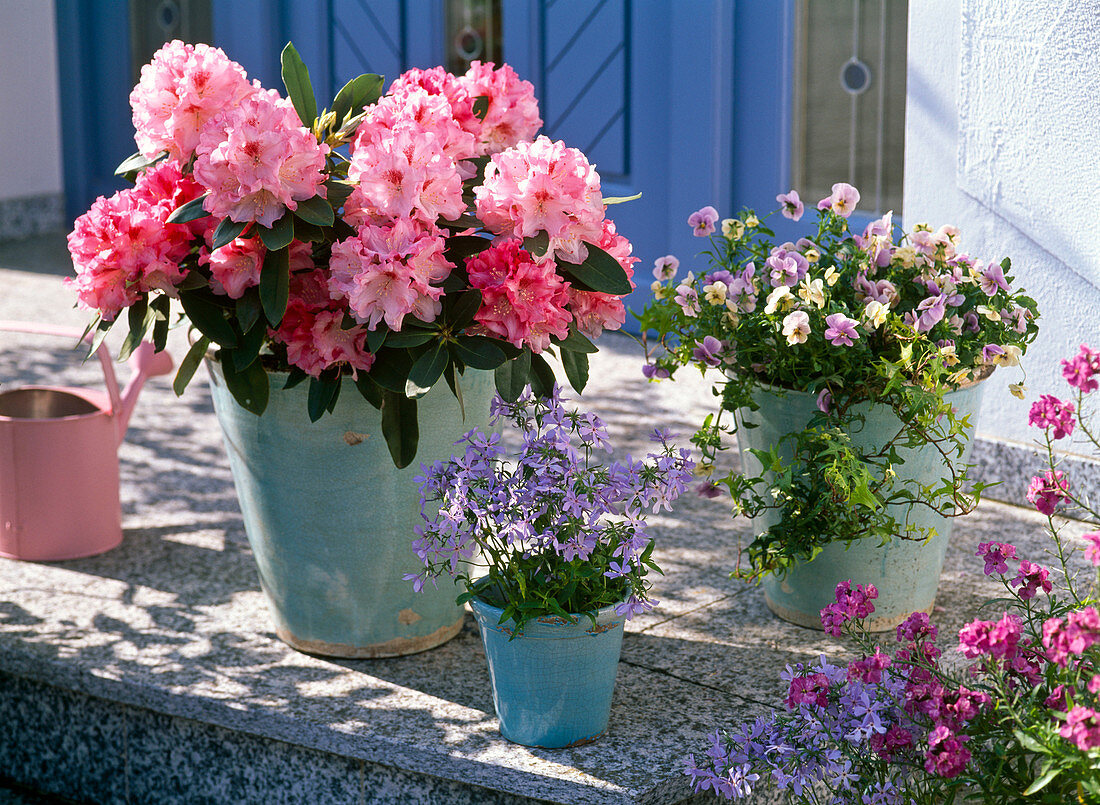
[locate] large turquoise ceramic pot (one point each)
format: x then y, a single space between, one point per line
906 572
552 683
330 520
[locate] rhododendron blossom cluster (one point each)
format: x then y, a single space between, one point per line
448 214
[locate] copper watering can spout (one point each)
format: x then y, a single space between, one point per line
59 472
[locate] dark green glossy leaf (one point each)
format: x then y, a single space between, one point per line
191 211
537 244
576 341
249 388
370 391
321 391
460 247
307 233
459 309
576 368
139 317
377 337
427 370
600 272
451 375
228 231
193 281
409 338
315 211
337 192
249 309
391 369
162 310
298 86
248 347
101 331
190 364
481 106
208 318
464 221
478 352
542 376
512 376
400 428
294 377
356 95
279 235
275 285
136 162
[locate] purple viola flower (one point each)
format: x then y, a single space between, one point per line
992 279
665 268
990 353
841 330
824 400
707 351
931 311
842 200
654 372
791 205
723 276
702 221
971 322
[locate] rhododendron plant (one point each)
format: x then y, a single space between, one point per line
1009 713
856 319
393 241
553 532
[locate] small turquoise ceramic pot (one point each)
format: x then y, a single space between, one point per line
552 684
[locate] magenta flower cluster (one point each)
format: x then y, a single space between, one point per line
552 513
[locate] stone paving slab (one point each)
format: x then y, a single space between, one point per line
163 653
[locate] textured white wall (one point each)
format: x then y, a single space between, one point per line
1001 139
30 129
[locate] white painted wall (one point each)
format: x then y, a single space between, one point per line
1001 139
30 128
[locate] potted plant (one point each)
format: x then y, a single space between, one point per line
346 268
1017 720
552 553
850 365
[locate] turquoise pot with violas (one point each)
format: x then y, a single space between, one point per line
905 572
552 682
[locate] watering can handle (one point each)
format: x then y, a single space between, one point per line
104 356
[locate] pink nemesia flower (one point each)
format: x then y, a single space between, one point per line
842 201
1030 579
1092 550
946 755
1048 490
702 221
808 689
1079 371
841 330
181 89
791 205
995 639
1069 637
1049 412
995 555
1082 727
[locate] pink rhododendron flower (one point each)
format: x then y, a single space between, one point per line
523 301
1079 370
996 555
595 312
389 272
257 159
512 115
235 267
123 246
1046 491
312 328
422 111
842 201
402 172
1049 412
543 186
180 91
841 330
702 221
791 205
1082 727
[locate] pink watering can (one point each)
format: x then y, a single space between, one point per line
59 458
